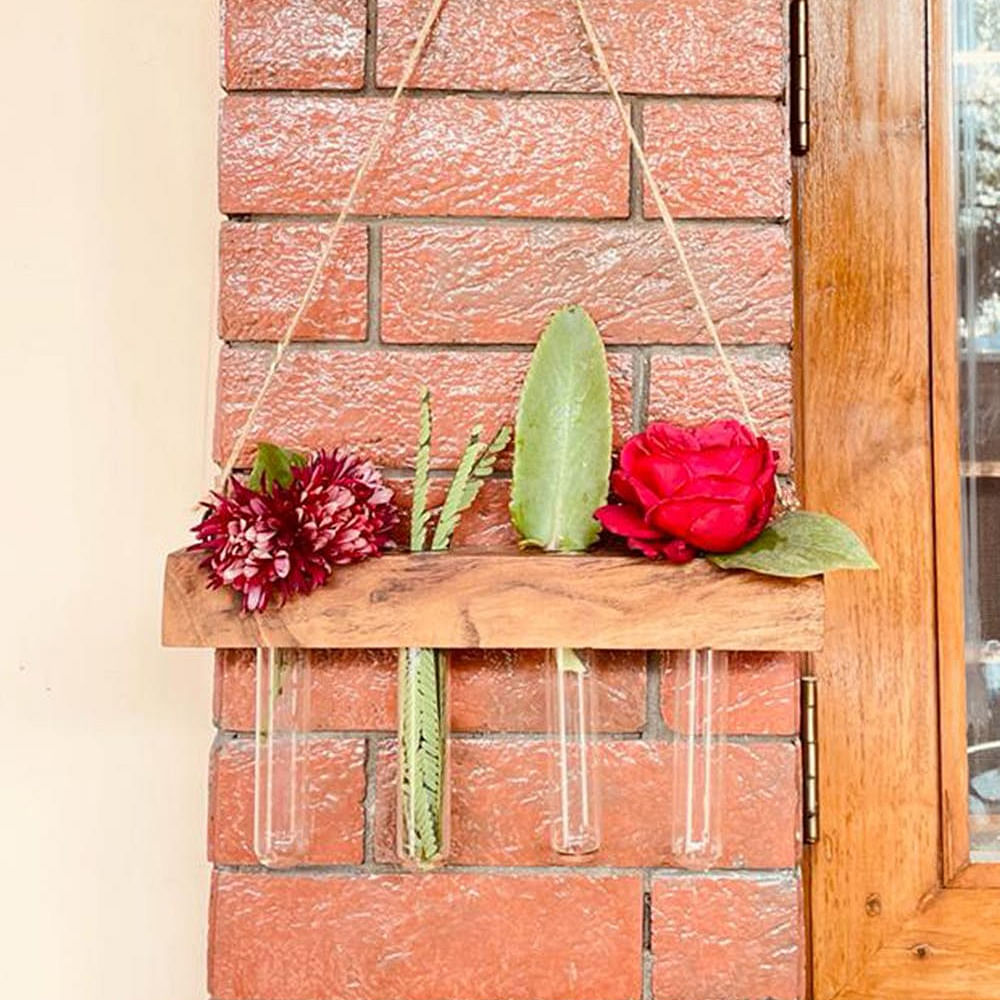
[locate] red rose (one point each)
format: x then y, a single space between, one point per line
681 489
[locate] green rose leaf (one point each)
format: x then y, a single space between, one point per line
562 443
800 544
273 465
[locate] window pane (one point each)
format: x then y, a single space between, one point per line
977 60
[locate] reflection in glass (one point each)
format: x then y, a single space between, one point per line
977 63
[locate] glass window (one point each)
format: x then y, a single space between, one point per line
977 61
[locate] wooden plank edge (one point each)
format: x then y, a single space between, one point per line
490 599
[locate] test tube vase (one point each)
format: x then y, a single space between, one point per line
571 708
700 679
281 757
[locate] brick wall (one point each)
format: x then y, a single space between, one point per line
507 189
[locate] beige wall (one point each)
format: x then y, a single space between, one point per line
106 267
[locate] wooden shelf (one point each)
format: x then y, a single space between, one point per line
479 599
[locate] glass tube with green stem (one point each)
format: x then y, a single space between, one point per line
423 786
571 703
423 801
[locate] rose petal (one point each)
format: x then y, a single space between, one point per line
635 447
651 550
665 437
713 523
724 434
621 519
720 528
678 552
621 486
661 476
711 489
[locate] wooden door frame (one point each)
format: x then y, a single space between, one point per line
894 909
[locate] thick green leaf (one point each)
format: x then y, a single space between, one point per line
562 444
273 464
800 544
420 515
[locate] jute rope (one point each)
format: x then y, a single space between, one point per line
327 247
668 219
387 119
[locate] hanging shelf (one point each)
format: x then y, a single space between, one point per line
489 599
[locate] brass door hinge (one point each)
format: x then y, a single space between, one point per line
810 762
798 86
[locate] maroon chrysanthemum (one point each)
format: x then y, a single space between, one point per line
286 540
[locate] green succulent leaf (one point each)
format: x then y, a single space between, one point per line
273 465
420 515
800 544
422 750
562 443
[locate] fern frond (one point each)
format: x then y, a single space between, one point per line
420 516
451 509
422 749
484 467
476 465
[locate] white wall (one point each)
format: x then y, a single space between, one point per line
107 234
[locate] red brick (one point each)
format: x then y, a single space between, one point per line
282 45
370 399
763 696
498 284
504 690
386 937
692 389
485 524
492 690
335 802
265 269
444 156
352 689
719 159
501 807
721 937
690 47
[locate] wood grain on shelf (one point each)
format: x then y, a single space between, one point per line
474 599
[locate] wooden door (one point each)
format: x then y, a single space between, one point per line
895 909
